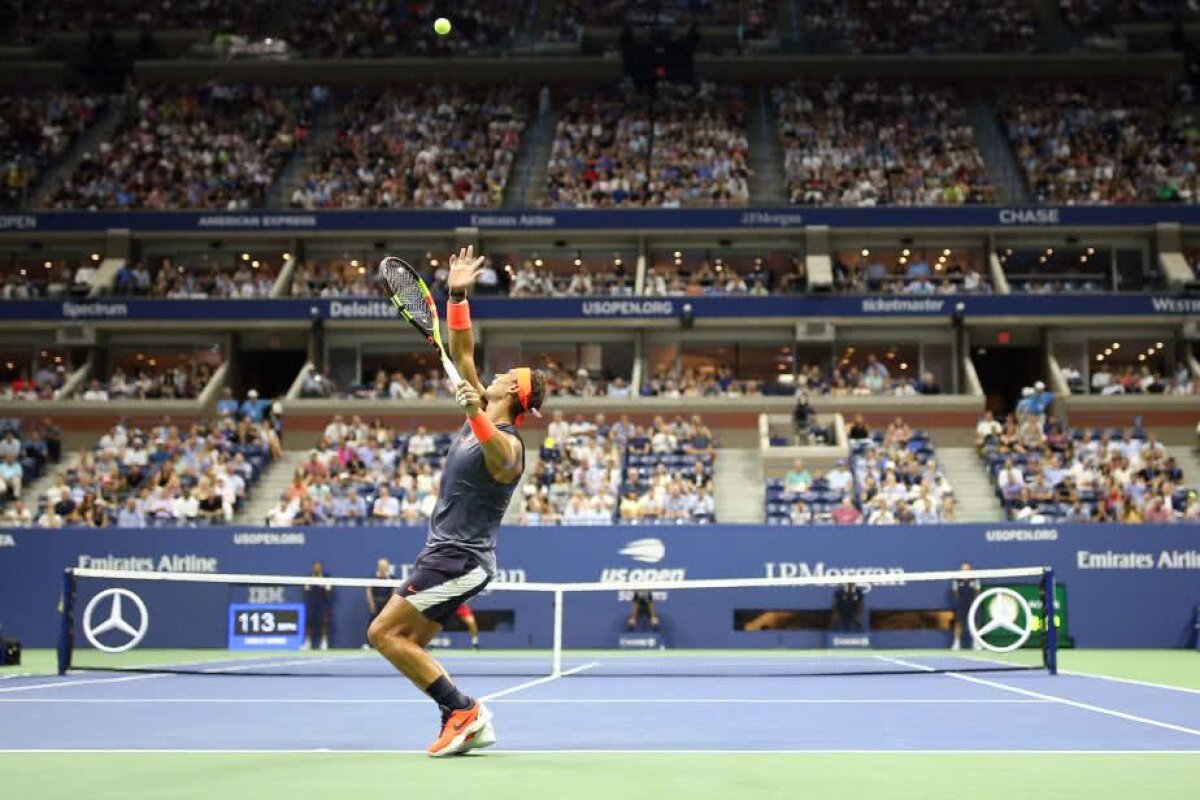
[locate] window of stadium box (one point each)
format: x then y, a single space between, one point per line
331 271
687 270
557 271
381 370
719 367
1138 363
156 372
223 271
911 269
32 372
33 274
1079 267
603 366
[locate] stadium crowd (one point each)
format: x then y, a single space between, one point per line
211 146
35 131
685 146
165 474
432 147
1102 143
892 478
918 26
364 474
870 143
591 472
1045 470
26 450
175 278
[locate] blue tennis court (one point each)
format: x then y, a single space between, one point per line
228 712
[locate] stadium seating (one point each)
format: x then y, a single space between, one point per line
1047 471
684 147
35 131
210 146
873 143
590 472
361 474
917 26
1101 143
161 475
435 147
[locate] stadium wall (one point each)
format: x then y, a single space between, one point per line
1103 567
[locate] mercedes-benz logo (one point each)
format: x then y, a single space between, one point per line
115 621
1004 608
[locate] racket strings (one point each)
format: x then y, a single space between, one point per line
406 290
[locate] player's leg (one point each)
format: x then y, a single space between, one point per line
325 626
650 612
406 625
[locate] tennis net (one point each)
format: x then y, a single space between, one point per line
900 622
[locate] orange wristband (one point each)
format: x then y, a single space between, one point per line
458 316
483 427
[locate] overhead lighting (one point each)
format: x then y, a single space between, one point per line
1116 345
286 256
866 252
433 262
946 252
537 262
245 256
678 254
47 265
354 262
1049 251
1158 345
1108 351
95 256
907 252
579 262
1091 251
903 365
22 273
255 264
617 262
1100 358
1141 357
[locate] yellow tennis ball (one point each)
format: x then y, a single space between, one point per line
441 26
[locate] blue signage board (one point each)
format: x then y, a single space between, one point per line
298 222
938 307
1130 586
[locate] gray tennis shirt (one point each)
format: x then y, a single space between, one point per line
470 501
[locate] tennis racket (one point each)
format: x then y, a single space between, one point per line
414 301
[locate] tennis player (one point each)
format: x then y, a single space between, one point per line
480 473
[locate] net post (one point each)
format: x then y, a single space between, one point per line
66 631
556 656
1050 642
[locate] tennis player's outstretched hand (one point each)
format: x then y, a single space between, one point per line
464 269
468 398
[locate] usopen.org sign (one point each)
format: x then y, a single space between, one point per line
628 308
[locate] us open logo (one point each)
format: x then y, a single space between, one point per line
648 551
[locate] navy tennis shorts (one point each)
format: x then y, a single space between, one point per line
442 579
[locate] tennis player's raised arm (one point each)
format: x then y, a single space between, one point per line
464 269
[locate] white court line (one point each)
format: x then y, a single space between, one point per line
88 682
538 681
1135 682
243 666
533 701
600 751
1051 697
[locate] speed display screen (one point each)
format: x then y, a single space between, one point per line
276 626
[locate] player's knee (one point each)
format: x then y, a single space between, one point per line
377 633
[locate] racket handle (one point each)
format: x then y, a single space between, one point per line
451 370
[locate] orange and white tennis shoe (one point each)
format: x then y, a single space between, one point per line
459 729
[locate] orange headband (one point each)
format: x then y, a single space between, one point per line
525 393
